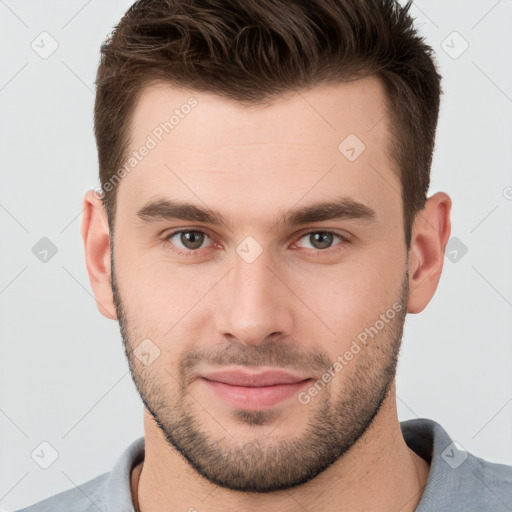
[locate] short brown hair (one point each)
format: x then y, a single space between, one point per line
253 51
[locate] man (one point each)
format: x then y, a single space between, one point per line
261 233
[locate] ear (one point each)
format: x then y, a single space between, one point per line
429 237
96 238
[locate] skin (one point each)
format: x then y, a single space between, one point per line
252 165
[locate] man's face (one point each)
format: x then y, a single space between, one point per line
261 293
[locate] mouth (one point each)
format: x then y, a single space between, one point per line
254 391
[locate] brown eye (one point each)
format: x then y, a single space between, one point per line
188 239
321 240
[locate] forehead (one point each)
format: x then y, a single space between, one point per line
331 111
323 142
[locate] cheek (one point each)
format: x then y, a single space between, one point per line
149 279
350 296
165 304
165 297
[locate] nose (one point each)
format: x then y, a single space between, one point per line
252 303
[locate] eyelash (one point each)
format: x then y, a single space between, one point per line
191 252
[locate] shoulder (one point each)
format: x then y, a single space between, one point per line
471 484
108 491
88 497
458 480
494 481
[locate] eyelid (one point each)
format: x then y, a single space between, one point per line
336 232
345 239
186 252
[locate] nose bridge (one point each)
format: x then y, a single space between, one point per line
253 304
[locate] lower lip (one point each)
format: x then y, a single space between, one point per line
254 398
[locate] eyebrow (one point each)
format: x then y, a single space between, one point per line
341 208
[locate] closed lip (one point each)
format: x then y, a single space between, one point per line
247 379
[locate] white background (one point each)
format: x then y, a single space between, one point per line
63 374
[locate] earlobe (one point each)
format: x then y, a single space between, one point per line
96 239
430 235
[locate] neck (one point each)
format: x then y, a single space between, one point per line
379 469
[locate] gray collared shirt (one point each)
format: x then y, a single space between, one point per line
458 480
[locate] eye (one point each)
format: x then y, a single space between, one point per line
322 240
190 240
